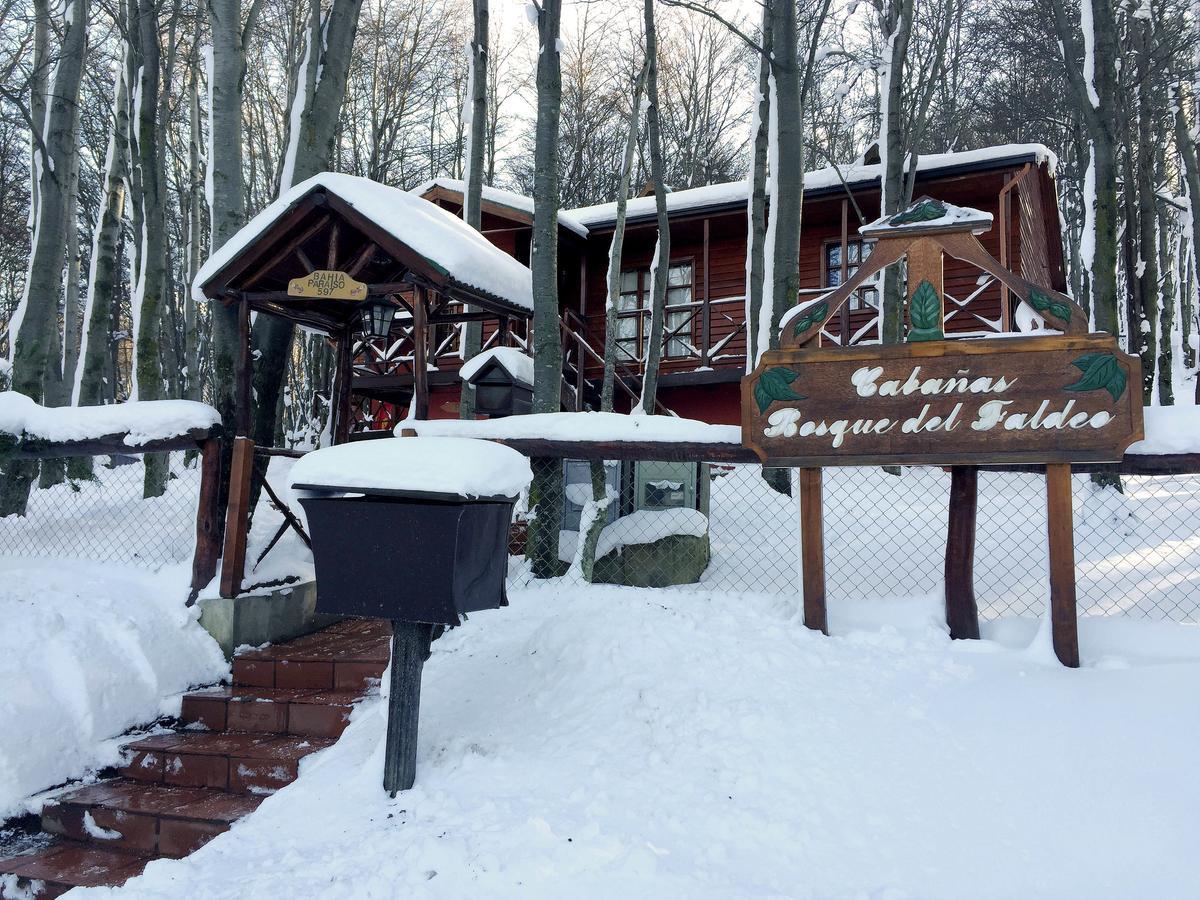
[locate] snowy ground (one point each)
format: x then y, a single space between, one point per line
86 651
603 742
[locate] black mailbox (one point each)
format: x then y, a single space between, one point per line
411 556
499 393
399 531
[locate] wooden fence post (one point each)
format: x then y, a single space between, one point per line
1060 527
208 522
237 523
962 614
812 549
410 649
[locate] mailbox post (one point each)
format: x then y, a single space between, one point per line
414 530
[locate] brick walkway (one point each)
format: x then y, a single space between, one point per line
179 790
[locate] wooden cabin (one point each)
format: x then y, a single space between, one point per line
705 329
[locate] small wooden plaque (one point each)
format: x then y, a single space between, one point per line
959 402
327 284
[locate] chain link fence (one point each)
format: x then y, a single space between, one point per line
106 519
718 527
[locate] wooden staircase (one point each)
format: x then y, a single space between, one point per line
237 745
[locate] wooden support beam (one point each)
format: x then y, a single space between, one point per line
812 550
331 257
208 522
344 375
420 351
243 375
962 614
1060 526
706 320
237 522
364 257
285 251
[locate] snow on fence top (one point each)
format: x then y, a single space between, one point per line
445 240
1169 430
517 364
430 465
583 426
499 197
141 421
829 177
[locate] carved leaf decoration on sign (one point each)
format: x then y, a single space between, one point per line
925 312
811 317
1056 308
775 384
924 211
1101 371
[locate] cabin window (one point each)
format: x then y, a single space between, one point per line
857 251
633 312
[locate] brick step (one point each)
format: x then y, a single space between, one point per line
239 762
181 789
54 869
146 819
310 713
348 656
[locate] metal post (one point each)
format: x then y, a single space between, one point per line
410 649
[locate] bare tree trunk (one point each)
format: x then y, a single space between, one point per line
895 27
661 267
35 324
546 492
152 260
615 249
1186 146
194 243
787 163
756 205
477 96
328 57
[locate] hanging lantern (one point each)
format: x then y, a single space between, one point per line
377 314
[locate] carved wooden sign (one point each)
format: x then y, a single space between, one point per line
962 402
327 284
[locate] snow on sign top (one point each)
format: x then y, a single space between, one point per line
445 240
928 213
141 421
422 465
517 364
499 197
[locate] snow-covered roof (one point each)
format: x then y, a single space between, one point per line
141 421
424 465
462 254
927 213
517 364
817 180
501 197
584 426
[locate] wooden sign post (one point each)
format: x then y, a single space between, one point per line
1052 399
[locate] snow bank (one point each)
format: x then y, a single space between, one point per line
516 363
431 464
855 175
1169 429
500 197
584 426
88 650
144 420
612 742
443 239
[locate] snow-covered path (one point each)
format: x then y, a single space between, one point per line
613 742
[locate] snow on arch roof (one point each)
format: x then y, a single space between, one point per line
499 197
461 254
818 181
